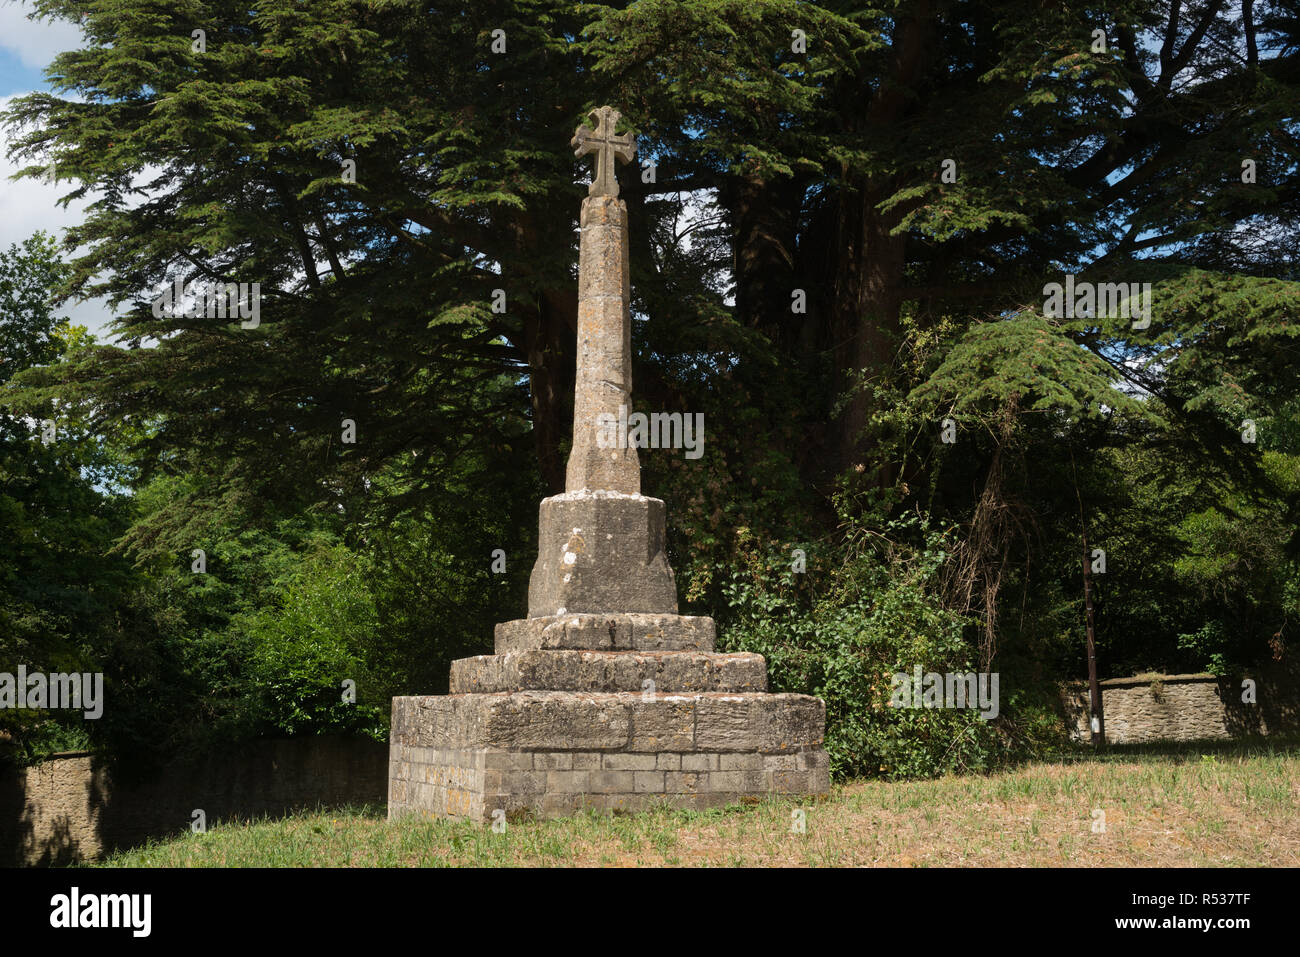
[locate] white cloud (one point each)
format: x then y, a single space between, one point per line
35 42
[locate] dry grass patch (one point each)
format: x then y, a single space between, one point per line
1223 806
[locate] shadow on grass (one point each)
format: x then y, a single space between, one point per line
1181 752
79 806
127 855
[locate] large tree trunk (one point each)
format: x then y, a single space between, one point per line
776 251
868 286
550 336
765 218
549 324
865 309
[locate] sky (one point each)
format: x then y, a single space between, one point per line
26 47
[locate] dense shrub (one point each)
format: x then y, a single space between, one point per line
320 631
840 631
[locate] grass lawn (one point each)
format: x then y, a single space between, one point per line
1210 805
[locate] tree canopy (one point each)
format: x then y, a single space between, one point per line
844 224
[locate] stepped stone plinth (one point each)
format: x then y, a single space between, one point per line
603 697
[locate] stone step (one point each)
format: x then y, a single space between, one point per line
605 721
607 632
609 671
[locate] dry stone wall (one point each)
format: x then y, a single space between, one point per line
75 807
1195 707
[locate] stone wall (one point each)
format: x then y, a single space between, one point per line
474 783
75 807
1195 707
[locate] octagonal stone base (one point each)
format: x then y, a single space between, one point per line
601 552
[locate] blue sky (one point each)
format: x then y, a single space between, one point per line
26 47
15 75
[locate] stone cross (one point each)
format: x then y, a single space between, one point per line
603 673
603 389
607 145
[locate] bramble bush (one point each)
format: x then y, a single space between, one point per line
864 610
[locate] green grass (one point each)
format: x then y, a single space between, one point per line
1169 806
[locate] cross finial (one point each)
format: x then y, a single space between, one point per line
600 139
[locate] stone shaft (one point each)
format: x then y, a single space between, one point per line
604 366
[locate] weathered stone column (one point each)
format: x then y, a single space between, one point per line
604 369
601 544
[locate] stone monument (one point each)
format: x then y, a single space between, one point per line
604 696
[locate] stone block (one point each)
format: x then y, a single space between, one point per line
648 782
523 782
607 632
684 782
763 723
814 760
524 722
727 781
791 782
609 671
741 761
601 552
629 762
560 804
552 760
623 802
700 762
611 782
663 723
568 782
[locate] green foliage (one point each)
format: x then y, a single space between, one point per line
1205 642
97 578
36 741
318 629
1025 360
29 327
778 169
288 609
244 147
61 593
843 630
